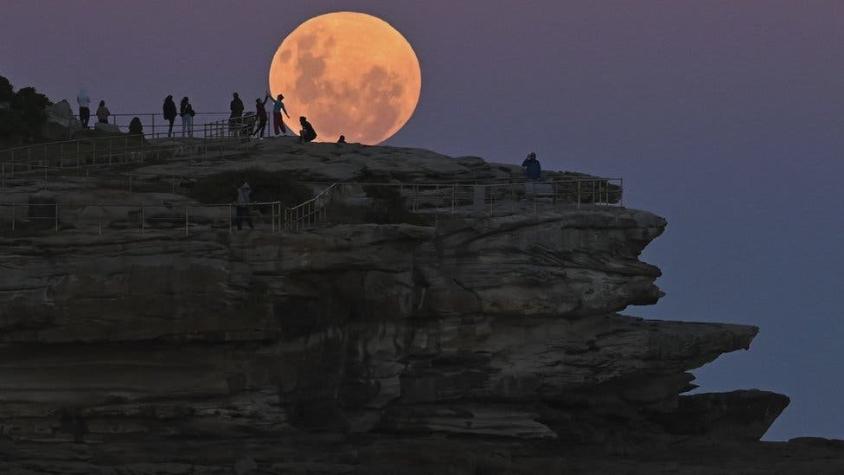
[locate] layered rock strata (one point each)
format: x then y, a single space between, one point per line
475 345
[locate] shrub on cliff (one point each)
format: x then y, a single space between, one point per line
266 186
22 113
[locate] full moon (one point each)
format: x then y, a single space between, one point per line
350 74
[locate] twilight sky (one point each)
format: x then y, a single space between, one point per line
723 116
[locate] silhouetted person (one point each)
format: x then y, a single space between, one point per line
278 108
236 108
187 113
533 171
261 115
103 113
244 195
170 113
307 134
342 139
84 107
135 127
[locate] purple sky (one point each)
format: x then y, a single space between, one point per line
722 116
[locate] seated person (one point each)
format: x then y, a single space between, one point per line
307 134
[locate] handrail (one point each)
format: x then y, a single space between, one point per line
484 200
85 140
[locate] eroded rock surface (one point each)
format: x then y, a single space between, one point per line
475 345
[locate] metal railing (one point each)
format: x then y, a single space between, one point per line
140 217
62 148
466 199
311 212
78 156
153 123
429 199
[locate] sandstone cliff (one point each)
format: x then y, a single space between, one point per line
473 344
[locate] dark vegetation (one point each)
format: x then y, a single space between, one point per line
266 186
22 114
386 205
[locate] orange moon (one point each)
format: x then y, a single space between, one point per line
348 73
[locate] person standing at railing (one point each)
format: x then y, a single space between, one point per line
84 107
261 114
278 108
532 168
103 113
235 119
170 113
187 113
533 172
244 195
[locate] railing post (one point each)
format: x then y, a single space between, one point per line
578 193
453 193
13 218
621 192
230 218
186 221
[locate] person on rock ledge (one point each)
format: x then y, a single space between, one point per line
103 113
278 108
84 107
261 114
235 118
533 171
169 111
244 195
307 134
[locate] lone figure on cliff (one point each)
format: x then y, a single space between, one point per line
244 194
533 171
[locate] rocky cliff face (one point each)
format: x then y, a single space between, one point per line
476 345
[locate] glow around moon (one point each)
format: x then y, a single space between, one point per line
348 73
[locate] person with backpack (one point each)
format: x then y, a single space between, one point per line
103 113
170 113
187 113
307 134
278 108
235 118
261 115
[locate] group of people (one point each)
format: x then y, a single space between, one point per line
84 102
185 111
306 134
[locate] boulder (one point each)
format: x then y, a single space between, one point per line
107 128
61 123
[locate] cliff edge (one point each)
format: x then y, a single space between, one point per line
457 342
